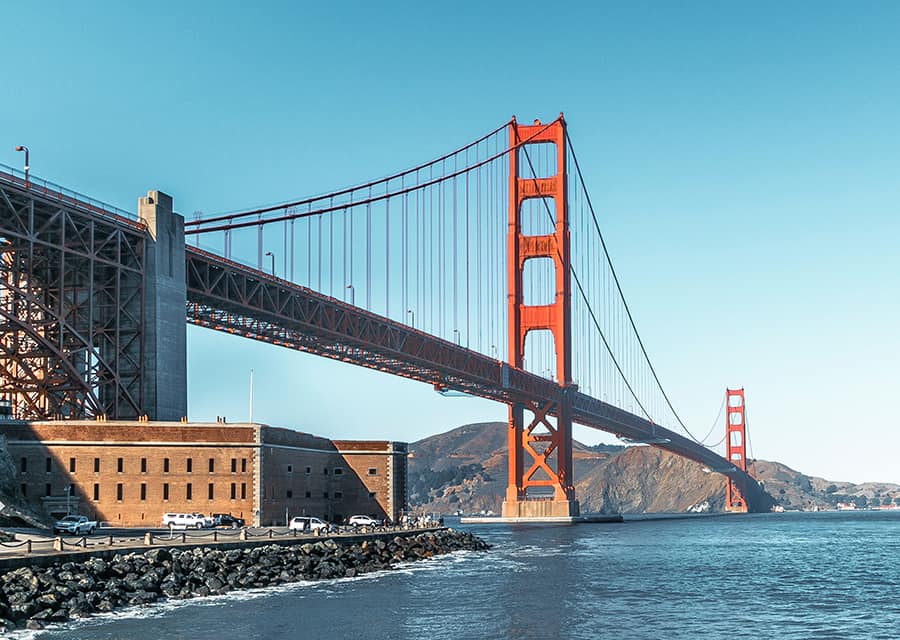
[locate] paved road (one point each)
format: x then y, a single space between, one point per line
44 542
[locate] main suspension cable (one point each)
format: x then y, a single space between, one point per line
584 296
621 294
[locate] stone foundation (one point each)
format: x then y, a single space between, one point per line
541 509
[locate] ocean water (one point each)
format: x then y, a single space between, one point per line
827 575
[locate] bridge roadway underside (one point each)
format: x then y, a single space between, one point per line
230 297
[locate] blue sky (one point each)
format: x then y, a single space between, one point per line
743 158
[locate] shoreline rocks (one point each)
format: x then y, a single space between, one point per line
32 597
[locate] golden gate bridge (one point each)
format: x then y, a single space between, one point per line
483 271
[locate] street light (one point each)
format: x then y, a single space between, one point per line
456 334
25 149
412 313
352 294
272 255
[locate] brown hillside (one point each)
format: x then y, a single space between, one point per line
465 470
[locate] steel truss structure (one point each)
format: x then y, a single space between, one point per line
71 306
227 296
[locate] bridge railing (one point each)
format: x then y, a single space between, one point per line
68 197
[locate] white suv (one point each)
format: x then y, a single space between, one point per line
363 521
183 521
305 523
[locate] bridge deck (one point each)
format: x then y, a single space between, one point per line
228 296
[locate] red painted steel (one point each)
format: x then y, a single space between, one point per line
735 446
71 304
546 443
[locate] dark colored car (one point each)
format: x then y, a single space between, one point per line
227 520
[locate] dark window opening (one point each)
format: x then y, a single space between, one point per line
233 490
24 488
49 489
96 465
243 465
190 465
71 465
165 491
24 465
120 465
243 491
143 465
373 471
308 495
234 465
188 491
143 491
211 490
212 465
290 493
119 491
96 491
165 465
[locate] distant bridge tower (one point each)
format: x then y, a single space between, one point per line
540 485
735 445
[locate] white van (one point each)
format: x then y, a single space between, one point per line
304 523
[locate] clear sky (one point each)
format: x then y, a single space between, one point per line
743 157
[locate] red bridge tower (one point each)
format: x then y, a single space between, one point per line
540 454
735 445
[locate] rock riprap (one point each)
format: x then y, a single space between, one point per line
31 597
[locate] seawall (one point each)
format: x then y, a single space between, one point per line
55 588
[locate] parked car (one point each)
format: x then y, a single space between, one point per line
74 524
184 520
363 521
306 523
227 520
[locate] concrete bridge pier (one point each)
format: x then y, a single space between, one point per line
165 298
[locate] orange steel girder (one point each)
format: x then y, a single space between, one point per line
555 317
735 445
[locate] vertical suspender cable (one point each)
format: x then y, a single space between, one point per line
468 314
455 323
387 256
369 252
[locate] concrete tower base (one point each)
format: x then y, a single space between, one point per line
525 509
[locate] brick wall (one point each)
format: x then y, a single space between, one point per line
381 468
131 473
131 476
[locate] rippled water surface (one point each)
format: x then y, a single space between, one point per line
829 575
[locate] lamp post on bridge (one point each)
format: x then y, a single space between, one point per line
272 255
352 294
412 314
27 167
